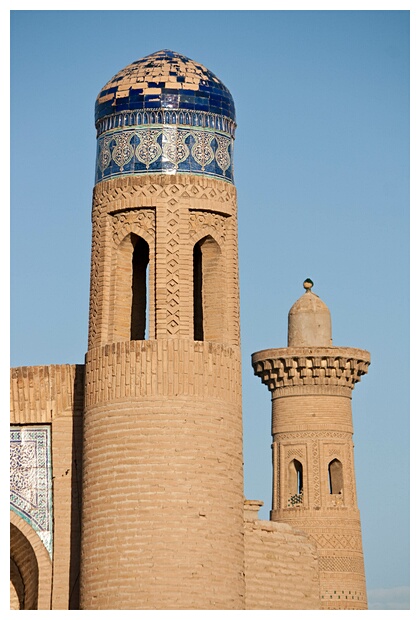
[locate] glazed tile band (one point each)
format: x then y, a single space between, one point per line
161 149
166 117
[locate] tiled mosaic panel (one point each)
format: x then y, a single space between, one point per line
30 478
167 80
167 150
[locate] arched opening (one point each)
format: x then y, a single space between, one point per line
30 567
335 477
208 291
140 262
130 299
295 475
24 574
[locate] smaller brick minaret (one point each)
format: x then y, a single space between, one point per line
314 486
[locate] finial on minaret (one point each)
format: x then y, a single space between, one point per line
309 321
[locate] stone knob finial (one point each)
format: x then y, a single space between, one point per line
308 284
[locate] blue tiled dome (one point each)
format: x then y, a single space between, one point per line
164 80
165 114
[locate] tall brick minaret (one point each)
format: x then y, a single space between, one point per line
314 486
162 524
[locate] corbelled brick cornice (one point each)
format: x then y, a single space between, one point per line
310 366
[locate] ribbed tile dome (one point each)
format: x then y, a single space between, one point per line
165 80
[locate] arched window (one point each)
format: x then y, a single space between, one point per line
208 291
335 477
128 311
295 479
140 263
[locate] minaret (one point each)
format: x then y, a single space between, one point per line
314 486
162 524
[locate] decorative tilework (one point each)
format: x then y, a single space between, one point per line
30 478
165 114
161 149
165 80
164 117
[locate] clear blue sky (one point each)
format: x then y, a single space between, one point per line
322 172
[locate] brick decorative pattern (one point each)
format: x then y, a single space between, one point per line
341 564
128 193
138 221
171 215
313 435
294 452
315 487
172 284
204 223
281 368
337 540
335 598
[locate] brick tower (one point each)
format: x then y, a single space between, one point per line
314 487
162 520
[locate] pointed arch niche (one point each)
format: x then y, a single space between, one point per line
295 483
335 477
133 290
209 291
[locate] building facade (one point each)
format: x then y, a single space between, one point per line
149 428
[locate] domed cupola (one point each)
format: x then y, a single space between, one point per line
309 321
165 114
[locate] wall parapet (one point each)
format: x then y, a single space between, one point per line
38 394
